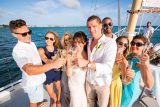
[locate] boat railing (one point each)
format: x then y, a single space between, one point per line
9 73
120 32
10 85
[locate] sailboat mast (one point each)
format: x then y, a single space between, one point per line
119 19
136 5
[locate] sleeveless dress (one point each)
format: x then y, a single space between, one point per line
131 91
76 85
115 88
53 74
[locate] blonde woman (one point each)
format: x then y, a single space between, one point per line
54 75
66 41
118 69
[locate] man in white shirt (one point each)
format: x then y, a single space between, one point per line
28 60
107 28
101 56
148 31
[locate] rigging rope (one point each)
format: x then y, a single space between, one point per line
141 23
90 8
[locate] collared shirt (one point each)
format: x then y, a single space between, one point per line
24 53
147 31
113 36
103 55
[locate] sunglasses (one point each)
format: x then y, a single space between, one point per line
67 40
107 24
25 33
46 38
138 44
124 44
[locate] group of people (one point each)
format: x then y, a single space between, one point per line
100 71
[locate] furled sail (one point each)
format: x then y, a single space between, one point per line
151 3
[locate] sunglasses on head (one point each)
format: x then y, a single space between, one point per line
138 44
124 44
25 33
107 24
46 38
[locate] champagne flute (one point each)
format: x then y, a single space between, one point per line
63 55
73 53
127 79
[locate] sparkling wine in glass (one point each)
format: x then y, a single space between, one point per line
127 79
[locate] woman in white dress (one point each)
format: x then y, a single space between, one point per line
76 75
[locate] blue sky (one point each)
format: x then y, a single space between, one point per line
61 12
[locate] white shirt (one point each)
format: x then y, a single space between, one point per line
147 31
23 54
114 36
103 55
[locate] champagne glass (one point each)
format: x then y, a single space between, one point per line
145 50
63 55
127 79
73 53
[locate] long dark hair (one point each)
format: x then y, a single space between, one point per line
82 36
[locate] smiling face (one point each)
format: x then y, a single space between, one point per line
137 46
94 27
79 44
18 33
107 26
49 39
122 44
67 40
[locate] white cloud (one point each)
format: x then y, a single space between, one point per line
43 7
4 13
71 3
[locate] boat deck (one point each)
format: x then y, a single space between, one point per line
15 97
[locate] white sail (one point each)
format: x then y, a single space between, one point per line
151 3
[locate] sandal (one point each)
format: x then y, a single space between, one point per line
44 103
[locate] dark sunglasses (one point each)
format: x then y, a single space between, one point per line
138 44
124 44
46 38
25 33
67 40
107 24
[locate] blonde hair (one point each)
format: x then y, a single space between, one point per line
125 52
62 40
57 42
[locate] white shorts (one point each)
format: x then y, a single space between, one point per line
35 93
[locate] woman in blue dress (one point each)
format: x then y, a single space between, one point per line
139 62
47 54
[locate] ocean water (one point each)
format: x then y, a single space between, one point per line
9 72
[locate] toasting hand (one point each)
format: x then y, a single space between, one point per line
59 62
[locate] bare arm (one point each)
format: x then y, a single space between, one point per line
43 56
31 69
145 69
69 66
123 65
